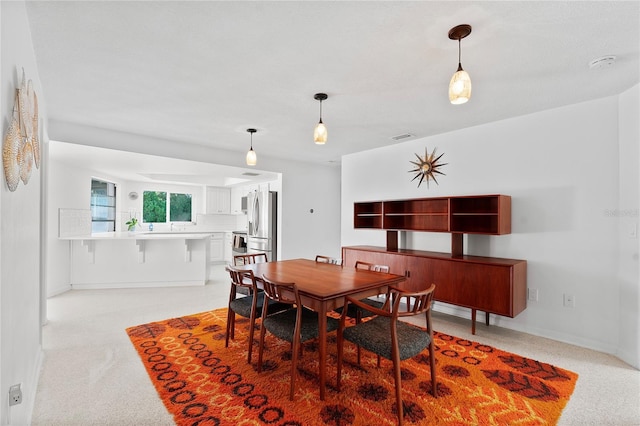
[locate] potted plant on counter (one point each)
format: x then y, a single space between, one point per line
131 224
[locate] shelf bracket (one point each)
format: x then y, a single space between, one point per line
140 244
187 250
91 249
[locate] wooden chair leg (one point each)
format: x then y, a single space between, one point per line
300 349
396 374
294 364
340 344
358 321
231 321
432 364
252 323
261 348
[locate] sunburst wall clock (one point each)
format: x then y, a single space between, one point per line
427 167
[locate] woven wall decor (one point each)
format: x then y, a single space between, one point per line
21 146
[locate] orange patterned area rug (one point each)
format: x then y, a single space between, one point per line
203 383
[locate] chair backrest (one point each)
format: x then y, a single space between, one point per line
327 259
371 266
247 259
241 278
417 302
281 292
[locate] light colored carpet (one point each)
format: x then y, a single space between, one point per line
91 374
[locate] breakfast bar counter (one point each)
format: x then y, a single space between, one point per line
138 259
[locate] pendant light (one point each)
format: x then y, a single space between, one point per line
460 85
251 154
320 132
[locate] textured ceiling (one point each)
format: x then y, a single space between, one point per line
203 72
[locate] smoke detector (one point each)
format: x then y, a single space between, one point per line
602 62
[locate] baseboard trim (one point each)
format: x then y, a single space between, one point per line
511 324
103 286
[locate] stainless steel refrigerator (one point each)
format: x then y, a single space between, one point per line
262 208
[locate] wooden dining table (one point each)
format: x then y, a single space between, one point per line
322 288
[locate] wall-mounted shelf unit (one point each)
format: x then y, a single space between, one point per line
476 214
368 215
489 214
417 215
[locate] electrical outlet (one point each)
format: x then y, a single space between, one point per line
15 395
569 301
532 294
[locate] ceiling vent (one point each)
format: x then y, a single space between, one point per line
250 174
402 137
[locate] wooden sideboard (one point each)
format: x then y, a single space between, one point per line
488 284
491 285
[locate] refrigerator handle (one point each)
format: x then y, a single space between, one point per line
256 215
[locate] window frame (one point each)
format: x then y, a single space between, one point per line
167 212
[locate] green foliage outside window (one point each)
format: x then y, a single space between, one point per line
180 207
154 207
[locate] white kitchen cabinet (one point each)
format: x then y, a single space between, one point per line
236 199
264 187
228 247
216 247
218 200
258 187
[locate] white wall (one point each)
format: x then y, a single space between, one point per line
561 168
71 191
629 135
20 287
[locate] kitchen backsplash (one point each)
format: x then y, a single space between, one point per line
74 222
221 222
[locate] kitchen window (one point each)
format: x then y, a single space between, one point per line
158 208
103 206
180 207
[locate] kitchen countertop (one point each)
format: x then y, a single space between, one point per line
150 235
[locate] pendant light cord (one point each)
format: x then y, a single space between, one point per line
459 56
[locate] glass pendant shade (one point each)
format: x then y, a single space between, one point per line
460 87
320 134
251 154
460 84
251 158
320 131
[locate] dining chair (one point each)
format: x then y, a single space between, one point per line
357 312
296 325
249 306
386 336
327 259
249 258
